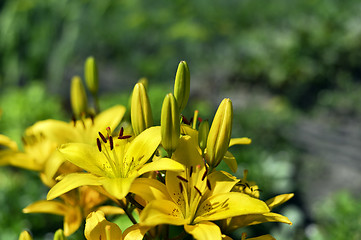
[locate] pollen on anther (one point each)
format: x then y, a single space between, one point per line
99 145
200 194
182 178
181 187
204 174
111 142
102 137
209 185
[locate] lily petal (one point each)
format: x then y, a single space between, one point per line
227 205
149 189
239 141
97 227
7 142
231 161
44 206
161 212
204 231
278 200
143 146
161 164
72 181
85 156
221 182
117 187
252 219
186 152
108 118
135 232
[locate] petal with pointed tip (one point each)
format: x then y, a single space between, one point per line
72 181
239 141
108 118
143 146
252 219
44 206
162 164
278 200
227 205
231 161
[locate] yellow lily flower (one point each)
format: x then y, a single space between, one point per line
42 139
74 206
97 227
113 163
251 189
192 198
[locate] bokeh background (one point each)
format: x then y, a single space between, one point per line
291 68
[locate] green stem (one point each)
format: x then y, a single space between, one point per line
130 216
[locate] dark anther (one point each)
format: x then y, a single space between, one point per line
111 143
205 174
184 119
73 119
200 194
102 137
121 132
247 185
182 178
99 145
191 171
209 185
181 187
199 119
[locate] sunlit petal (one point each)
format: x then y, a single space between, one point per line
278 200
161 212
149 189
86 157
204 231
162 164
135 232
72 181
108 118
44 206
143 146
227 205
239 141
231 161
118 187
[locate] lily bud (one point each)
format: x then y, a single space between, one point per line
170 123
182 85
59 235
144 81
97 227
141 113
203 134
91 75
25 235
220 133
78 97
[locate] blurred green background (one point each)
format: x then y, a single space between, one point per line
291 68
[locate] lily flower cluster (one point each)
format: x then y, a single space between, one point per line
103 164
